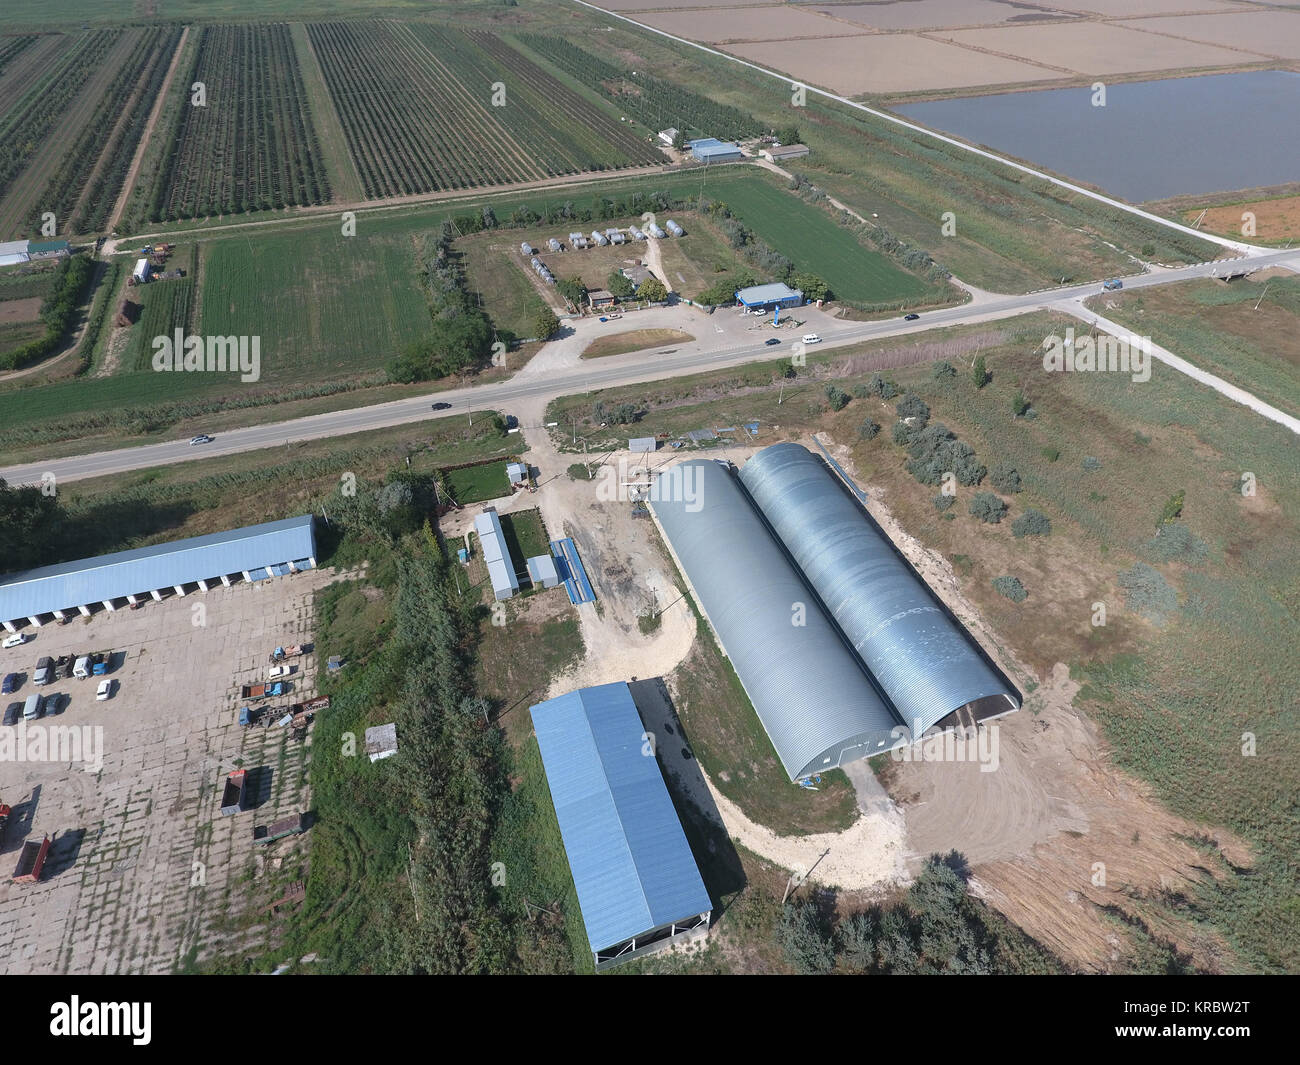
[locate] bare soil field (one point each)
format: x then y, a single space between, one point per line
937 14
634 340
20 310
890 63
1274 219
1096 48
1125 8
1265 33
745 24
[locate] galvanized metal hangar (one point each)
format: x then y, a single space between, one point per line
843 650
255 552
638 886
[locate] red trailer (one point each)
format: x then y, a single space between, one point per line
31 861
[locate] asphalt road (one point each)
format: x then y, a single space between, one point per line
588 376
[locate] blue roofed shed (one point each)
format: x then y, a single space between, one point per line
773 295
254 552
638 886
712 150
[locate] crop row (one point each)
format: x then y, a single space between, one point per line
12 47
250 144
108 139
654 103
24 128
423 118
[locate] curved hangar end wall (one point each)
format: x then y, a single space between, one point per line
919 656
808 689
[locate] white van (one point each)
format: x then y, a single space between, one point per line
82 667
811 338
34 707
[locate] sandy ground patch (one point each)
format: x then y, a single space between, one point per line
20 310
937 14
1274 220
1266 33
749 24
889 63
1097 47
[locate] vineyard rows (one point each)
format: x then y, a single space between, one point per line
416 107
25 126
108 139
253 146
655 104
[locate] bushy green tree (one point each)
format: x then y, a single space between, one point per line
1005 478
1010 588
836 397
1032 523
801 934
652 290
979 372
545 324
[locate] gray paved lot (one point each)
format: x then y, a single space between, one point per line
144 870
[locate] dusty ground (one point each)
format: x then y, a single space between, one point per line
144 867
937 14
1274 219
1256 33
890 63
1097 47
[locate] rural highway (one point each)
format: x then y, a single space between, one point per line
631 369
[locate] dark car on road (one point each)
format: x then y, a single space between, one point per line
910 317
10 683
769 343
441 406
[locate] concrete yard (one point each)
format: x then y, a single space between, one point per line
144 872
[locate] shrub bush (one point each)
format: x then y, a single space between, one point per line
1146 592
1051 453
1005 478
1176 543
1019 405
868 430
943 502
1032 523
1090 464
944 371
836 397
914 407
988 508
1010 588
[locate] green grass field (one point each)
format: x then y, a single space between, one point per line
324 305
474 484
812 241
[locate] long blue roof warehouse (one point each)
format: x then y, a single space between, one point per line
254 553
638 886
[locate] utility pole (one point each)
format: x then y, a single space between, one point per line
1262 295
791 885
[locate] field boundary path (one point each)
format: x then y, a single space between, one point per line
128 183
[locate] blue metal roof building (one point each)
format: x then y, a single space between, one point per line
712 150
773 295
254 552
638 886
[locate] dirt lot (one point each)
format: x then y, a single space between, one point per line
1097 47
20 310
759 24
144 870
890 63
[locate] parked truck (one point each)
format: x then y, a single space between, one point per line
262 691
290 826
31 862
232 797
294 650
1112 284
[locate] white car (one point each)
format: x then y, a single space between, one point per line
202 438
16 640
105 690
811 338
